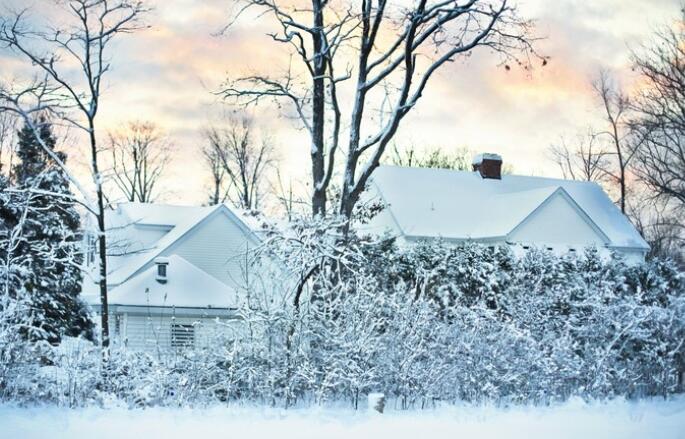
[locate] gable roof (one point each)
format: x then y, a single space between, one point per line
462 205
579 211
139 232
186 286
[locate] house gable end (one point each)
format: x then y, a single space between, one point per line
218 246
214 244
558 220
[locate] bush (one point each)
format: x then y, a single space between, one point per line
421 324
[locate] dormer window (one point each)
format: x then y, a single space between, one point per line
162 269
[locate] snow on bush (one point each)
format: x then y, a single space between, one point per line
424 325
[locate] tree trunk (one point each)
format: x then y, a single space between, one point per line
318 113
623 188
102 243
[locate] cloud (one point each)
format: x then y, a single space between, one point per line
167 74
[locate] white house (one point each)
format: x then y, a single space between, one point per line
488 207
174 273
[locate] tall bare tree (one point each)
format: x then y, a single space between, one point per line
660 115
617 132
73 57
238 161
605 152
389 52
212 158
585 161
140 153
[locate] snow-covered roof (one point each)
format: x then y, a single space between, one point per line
463 205
186 286
138 232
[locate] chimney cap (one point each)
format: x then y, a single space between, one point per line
478 159
162 260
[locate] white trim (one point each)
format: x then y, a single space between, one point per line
170 310
561 191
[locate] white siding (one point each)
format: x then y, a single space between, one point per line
152 333
217 246
557 222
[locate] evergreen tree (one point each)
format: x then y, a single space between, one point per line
33 159
52 241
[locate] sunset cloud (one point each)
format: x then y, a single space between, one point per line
168 74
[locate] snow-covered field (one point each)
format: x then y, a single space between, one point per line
576 419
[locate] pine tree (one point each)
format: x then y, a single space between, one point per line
33 159
52 240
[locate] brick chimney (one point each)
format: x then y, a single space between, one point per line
488 165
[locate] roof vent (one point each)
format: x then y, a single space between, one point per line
162 269
488 165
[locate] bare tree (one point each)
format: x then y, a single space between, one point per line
660 115
388 52
437 158
616 107
432 158
603 154
7 130
212 157
289 196
140 154
243 160
74 59
661 227
586 161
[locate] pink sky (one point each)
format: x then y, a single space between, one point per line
167 73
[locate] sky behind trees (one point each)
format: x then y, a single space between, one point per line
168 72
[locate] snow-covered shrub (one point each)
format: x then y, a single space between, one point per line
475 322
336 319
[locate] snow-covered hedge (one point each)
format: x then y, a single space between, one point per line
423 324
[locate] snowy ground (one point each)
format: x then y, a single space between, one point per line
617 419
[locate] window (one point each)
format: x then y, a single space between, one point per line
162 269
182 335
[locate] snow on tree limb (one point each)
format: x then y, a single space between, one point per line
389 52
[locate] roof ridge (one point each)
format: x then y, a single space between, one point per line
464 172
